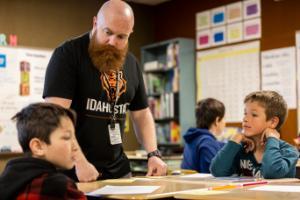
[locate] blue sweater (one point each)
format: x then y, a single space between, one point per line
279 161
200 147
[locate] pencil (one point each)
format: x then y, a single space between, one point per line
254 183
224 187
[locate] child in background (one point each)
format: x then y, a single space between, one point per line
46 135
200 143
258 151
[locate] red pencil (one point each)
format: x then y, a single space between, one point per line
254 183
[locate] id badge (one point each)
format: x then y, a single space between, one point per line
115 134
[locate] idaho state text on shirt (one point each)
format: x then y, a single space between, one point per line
105 107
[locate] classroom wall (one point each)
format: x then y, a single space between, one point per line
47 23
280 20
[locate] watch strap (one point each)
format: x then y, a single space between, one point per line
154 153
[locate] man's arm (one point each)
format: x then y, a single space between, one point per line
85 171
145 131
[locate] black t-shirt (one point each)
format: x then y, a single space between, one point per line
70 74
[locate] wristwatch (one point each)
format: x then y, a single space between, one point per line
154 153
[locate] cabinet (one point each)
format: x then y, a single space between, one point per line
169 75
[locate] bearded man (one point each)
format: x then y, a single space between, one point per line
96 76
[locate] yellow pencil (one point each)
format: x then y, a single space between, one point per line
224 187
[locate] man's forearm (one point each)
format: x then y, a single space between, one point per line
145 129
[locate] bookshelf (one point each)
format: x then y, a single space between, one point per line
169 75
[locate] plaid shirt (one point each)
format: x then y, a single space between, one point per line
51 187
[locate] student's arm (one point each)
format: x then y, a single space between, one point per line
279 159
225 163
145 131
85 171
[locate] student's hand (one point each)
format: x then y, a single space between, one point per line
269 132
85 171
238 137
249 144
156 167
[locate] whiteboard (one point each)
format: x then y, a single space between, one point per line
228 74
22 74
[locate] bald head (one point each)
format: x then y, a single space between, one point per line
116 10
113 24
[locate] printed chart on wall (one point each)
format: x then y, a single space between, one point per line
228 74
278 70
22 73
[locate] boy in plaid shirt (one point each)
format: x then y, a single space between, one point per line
46 135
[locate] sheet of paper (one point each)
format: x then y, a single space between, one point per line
277 188
114 190
198 175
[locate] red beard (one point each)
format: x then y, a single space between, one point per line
106 57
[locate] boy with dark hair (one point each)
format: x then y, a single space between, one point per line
258 151
46 135
200 143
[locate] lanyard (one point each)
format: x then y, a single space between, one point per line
113 102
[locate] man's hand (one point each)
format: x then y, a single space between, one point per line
156 167
269 132
85 171
249 144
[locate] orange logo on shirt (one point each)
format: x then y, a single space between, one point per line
109 83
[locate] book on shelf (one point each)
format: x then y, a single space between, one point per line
172 55
153 65
157 83
163 107
168 132
175 132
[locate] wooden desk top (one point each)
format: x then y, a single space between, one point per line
172 186
246 194
167 188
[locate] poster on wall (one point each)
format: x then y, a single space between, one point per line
22 72
278 70
229 74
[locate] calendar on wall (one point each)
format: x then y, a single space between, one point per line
22 74
228 74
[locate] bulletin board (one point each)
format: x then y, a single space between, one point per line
22 74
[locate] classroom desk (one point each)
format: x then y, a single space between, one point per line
171 186
167 188
246 194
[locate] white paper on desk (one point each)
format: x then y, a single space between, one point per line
112 190
277 188
198 175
